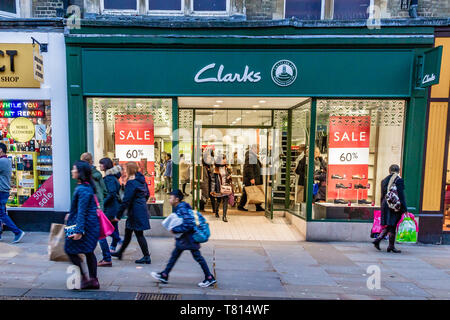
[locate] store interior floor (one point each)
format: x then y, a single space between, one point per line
245 225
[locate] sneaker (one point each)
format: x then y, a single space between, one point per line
207 282
103 263
160 277
18 237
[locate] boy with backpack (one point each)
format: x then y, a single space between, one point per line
185 241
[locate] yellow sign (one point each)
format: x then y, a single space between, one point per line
16 66
22 129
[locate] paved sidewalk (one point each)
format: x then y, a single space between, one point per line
244 269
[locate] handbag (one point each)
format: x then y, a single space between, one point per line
231 200
106 227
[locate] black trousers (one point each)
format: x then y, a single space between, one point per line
224 201
140 238
91 262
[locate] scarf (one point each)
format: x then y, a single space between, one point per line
392 180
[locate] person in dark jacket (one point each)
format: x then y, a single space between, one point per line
252 175
83 214
135 200
185 241
111 205
389 217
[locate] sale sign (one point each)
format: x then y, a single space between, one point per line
135 142
348 157
43 197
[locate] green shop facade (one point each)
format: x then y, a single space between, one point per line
315 82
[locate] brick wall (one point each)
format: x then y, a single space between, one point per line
426 8
47 8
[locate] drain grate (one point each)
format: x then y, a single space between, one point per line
157 296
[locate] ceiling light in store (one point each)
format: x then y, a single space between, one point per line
262 101
216 106
256 106
238 119
219 101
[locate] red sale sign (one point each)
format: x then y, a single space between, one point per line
43 197
134 142
348 157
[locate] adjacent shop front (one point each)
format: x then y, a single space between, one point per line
32 95
352 112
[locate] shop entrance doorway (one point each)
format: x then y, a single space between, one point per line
244 140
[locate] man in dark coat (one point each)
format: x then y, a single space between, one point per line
185 241
389 217
252 175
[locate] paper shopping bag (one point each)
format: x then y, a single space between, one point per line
56 243
255 194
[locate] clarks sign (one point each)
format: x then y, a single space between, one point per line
218 75
283 73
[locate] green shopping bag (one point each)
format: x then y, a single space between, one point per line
407 229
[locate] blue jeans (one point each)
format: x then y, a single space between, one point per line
176 253
4 218
104 242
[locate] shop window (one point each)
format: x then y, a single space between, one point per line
301 117
134 130
356 142
303 9
9 8
351 9
165 5
25 128
120 5
210 5
234 118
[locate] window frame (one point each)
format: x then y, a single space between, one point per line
211 13
323 13
118 11
6 14
164 12
322 8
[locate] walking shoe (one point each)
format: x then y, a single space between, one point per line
160 276
112 249
259 208
217 215
117 254
103 263
224 219
94 284
144 260
336 176
18 237
207 282
356 177
242 209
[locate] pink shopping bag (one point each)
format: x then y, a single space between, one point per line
106 227
376 227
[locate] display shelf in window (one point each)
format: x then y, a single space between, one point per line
24 180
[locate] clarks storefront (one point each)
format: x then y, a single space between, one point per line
299 95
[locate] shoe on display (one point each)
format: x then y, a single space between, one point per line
364 201
336 176
340 201
356 177
161 277
103 263
144 260
359 186
207 282
18 237
341 186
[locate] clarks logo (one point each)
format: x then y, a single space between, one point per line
219 76
428 78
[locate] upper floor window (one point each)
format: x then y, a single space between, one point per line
303 9
211 6
351 9
9 8
131 5
165 5
327 9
